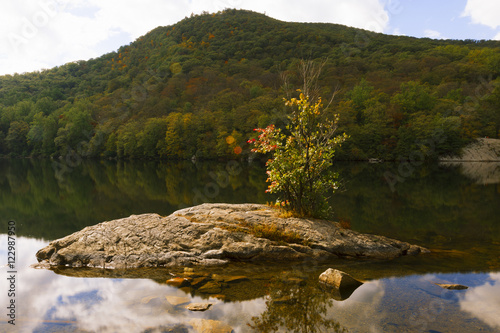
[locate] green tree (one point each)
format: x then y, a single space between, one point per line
126 141
359 96
414 97
300 167
3 148
148 139
50 128
35 134
177 143
45 105
489 112
16 137
76 129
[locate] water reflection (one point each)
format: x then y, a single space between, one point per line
292 301
46 300
436 207
49 206
412 304
482 173
294 305
483 301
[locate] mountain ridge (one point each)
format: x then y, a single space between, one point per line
200 86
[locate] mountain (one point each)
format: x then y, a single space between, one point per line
200 87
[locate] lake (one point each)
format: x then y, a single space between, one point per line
452 209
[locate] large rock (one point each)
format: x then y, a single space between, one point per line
214 234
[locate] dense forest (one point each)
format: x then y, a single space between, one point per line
200 87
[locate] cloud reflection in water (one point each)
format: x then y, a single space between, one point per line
411 303
483 301
103 304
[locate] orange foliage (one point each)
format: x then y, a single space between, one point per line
192 86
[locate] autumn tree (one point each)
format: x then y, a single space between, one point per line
300 167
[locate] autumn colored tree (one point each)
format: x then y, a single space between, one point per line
300 168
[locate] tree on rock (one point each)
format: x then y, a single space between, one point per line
300 168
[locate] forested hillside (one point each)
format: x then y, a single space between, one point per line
200 87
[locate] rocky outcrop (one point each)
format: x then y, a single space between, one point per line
214 234
479 161
481 150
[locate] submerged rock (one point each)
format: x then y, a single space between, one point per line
214 234
210 326
177 300
178 282
198 306
176 328
211 287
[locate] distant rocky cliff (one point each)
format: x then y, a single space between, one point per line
481 150
480 161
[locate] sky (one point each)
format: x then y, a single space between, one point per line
41 34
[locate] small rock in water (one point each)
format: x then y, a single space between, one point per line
338 279
176 328
234 279
176 300
341 285
147 299
297 281
451 286
178 282
198 306
199 281
205 326
211 287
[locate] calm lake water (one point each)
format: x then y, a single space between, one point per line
452 209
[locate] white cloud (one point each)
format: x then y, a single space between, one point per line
483 12
36 35
365 14
433 34
497 37
46 33
397 32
